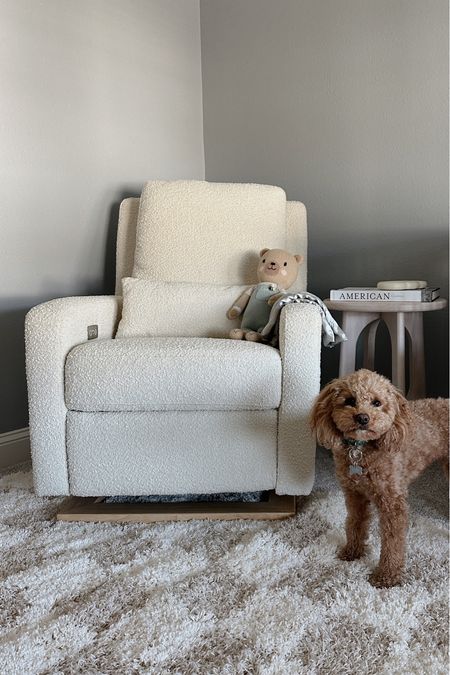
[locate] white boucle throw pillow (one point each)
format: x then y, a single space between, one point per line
176 309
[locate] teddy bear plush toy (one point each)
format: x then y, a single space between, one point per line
277 271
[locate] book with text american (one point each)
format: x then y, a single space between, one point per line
379 295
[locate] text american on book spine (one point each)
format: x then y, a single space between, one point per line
376 294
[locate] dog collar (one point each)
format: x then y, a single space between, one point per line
354 442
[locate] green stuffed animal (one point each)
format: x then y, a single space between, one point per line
277 271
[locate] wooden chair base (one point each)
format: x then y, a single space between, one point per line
95 509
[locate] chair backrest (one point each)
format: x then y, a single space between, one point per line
292 236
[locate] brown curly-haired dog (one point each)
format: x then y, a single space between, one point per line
380 443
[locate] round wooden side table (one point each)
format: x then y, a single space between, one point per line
401 318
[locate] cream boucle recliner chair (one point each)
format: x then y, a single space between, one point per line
101 421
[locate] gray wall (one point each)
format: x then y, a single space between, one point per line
344 104
96 97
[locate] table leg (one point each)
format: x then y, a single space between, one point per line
414 326
369 346
353 323
395 321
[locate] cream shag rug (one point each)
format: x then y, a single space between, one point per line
217 597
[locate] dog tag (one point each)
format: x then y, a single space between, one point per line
355 470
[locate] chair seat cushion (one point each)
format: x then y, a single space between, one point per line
142 374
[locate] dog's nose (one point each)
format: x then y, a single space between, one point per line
362 419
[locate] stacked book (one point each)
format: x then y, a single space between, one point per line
388 291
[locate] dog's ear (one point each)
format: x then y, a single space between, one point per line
395 437
321 420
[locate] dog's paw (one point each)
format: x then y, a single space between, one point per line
381 578
350 552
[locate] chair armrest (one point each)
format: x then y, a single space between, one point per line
51 330
300 345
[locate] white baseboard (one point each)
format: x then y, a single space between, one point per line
14 447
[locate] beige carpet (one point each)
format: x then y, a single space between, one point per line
217 597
